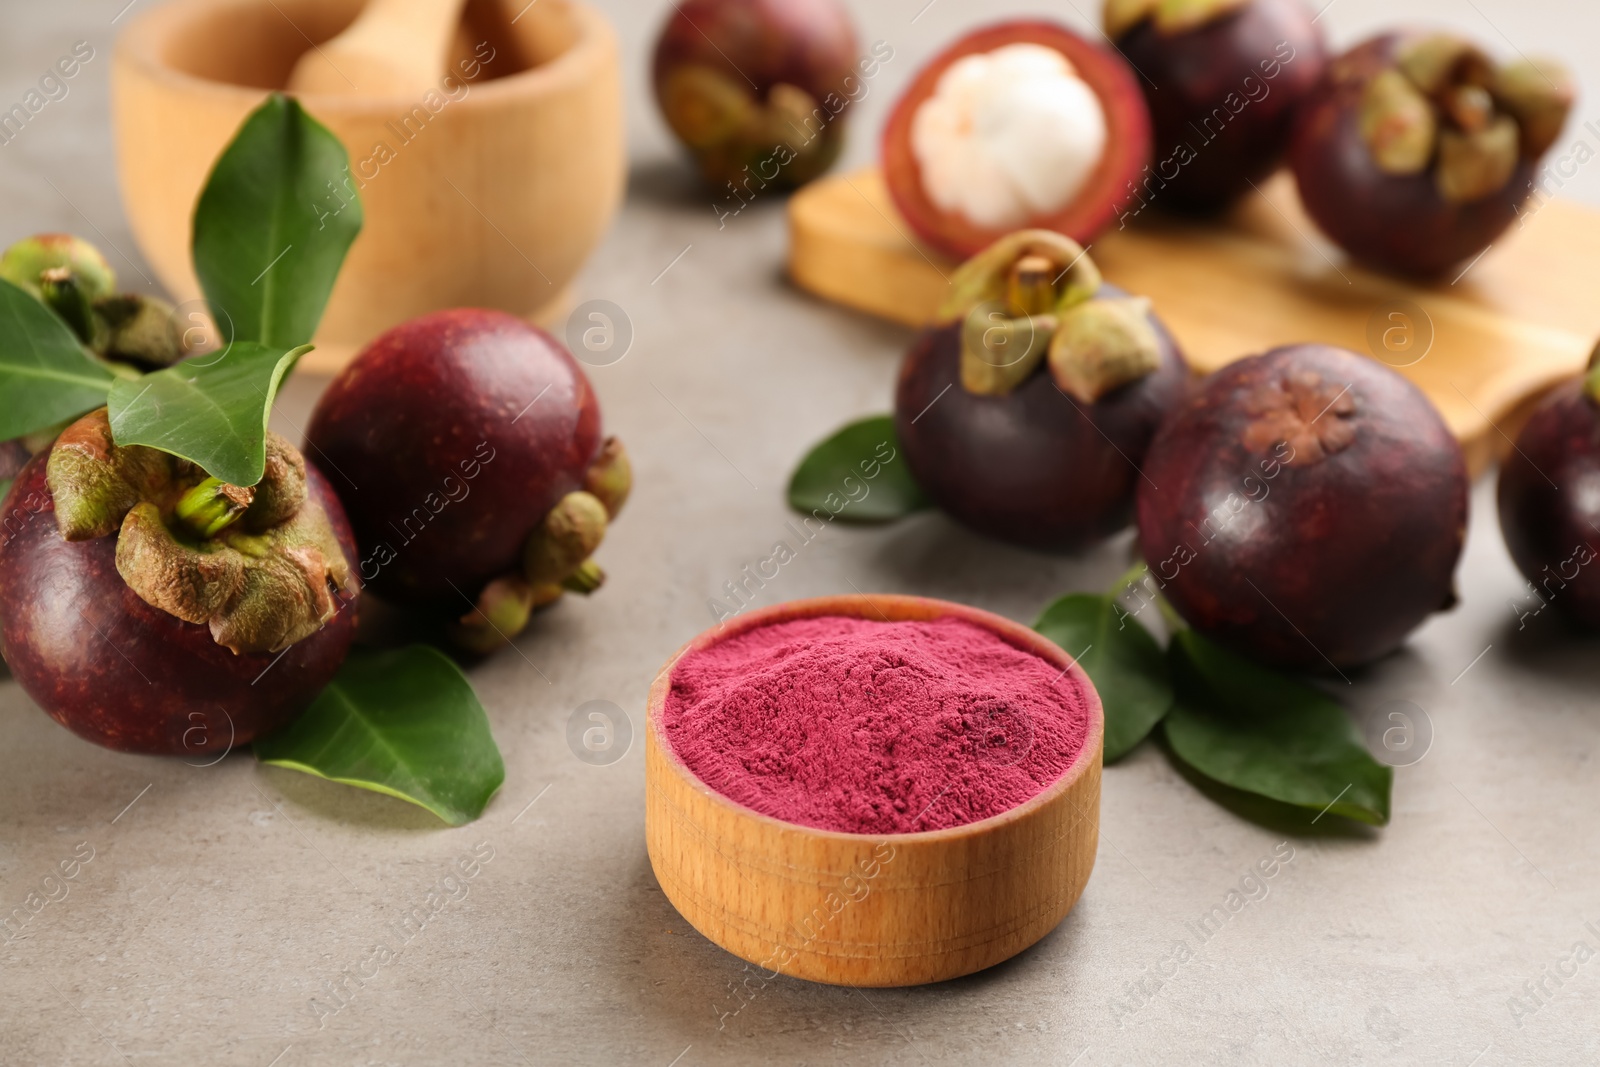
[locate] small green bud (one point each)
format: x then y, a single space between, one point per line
25 262
142 330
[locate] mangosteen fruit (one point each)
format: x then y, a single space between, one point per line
1224 78
1019 125
1549 498
1305 507
150 608
467 448
758 90
1025 409
1416 150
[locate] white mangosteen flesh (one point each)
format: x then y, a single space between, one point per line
1008 136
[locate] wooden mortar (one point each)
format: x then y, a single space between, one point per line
492 199
863 909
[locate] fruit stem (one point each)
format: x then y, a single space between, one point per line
1030 290
64 295
212 506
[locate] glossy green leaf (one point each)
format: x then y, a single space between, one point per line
212 410
1263 732
270 232
45 374
858 474
1122 659
403 722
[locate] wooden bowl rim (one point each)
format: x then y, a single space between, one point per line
138 45
896 607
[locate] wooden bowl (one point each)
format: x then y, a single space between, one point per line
863 909
495 200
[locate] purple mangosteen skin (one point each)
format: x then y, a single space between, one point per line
1395 222
449 439
1034 467
1553 530
1295 560
114 670
1211 93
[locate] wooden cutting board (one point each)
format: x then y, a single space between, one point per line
1482 345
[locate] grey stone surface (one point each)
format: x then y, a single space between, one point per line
220 900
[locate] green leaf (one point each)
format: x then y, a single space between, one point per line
270 233
403 722
212 410
1123 661
1256 730
863 454
45 374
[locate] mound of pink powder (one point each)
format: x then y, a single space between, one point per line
874 727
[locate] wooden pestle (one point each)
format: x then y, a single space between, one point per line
394 47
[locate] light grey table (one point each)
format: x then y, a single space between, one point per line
222 904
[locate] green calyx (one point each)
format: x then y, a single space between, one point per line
1031 298
1398 124
1538 93
610 477
1591 376
1102 344
1444 104
1473 165
94 483
569 535
585 578
501 612
1169 17
786 138
142 330
197 548
705 107
555 559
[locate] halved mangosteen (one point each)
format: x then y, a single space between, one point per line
1018 125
